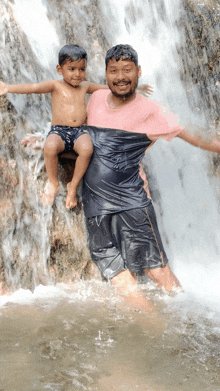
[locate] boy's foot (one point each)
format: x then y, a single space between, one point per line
49 194
71 200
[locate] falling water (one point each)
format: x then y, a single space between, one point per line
180 175
80 336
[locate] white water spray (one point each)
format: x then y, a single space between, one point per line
33 19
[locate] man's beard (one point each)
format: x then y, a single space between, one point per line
125 96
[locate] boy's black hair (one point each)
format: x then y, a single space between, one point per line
121 52
71 53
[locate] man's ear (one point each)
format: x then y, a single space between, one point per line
59 69
139 71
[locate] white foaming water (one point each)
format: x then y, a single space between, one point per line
190 219
51 295
32 17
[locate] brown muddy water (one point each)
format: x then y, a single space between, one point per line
83 337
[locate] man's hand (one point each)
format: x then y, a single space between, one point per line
143 176
35 142
3 88
145 89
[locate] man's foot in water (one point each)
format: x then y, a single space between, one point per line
49 194
71 199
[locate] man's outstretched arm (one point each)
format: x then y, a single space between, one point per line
197 141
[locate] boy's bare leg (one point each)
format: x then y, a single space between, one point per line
84 148
126 285
163 277
53 146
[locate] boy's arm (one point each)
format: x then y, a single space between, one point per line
145 89
197 141
92 87
27 88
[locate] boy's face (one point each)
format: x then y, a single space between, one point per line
122 77
73 72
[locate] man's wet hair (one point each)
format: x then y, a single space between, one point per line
121 52
71 53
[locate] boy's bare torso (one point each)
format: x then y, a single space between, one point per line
68 101
68 104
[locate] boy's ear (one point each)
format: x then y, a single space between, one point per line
59 69
139 71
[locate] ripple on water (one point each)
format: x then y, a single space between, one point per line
84 337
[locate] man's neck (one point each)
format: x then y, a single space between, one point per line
116 102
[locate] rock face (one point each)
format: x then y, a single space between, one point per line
200 54
38 245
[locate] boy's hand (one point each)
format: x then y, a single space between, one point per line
145 89
3 88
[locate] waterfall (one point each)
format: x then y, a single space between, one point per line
184 188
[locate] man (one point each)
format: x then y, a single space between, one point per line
122 231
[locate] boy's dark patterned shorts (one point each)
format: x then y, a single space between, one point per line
68 134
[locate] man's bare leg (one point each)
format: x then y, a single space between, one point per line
163 277
53 146
126 285
84 148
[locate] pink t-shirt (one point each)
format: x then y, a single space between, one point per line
140 115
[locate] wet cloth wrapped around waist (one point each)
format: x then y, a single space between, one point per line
112 182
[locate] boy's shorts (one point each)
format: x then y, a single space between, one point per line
68 134
126 240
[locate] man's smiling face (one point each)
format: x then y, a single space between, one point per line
122 77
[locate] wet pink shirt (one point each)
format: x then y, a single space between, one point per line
140 115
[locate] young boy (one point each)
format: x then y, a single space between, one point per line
68 131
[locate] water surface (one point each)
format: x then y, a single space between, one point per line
83 337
